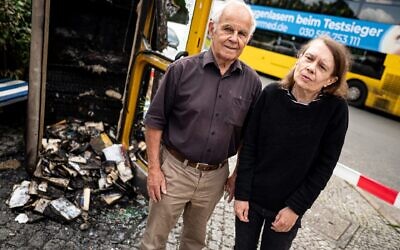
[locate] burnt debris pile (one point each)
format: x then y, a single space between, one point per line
79 166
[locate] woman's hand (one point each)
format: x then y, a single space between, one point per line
284 220
242 210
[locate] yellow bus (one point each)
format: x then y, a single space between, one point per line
368 27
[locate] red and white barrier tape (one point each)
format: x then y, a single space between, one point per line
371 186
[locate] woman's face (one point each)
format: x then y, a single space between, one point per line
314 68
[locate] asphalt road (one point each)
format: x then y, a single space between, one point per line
372 145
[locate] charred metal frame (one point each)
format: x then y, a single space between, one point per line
141 57
37 81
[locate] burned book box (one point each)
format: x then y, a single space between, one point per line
89 49
79 164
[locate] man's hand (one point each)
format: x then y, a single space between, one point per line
230 187
156 183
155 179
242 210
284 220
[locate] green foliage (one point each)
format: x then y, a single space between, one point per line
15 34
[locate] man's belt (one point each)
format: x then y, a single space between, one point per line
196 165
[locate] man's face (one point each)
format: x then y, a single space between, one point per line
230 34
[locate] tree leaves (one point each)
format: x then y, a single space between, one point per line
15 23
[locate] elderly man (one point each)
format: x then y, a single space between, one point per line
193 125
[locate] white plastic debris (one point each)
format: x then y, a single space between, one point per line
51 145
77 168
22 218
20 196
77 159
97 125
111 198
113 94
125 172
63 208
114 153
42 187
86 199
103 182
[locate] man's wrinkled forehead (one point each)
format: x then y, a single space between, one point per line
231 17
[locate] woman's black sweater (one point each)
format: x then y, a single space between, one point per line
290 149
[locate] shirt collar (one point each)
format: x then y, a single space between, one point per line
209 58
293 98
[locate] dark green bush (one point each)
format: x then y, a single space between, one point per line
15 34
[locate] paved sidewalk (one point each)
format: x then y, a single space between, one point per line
341 218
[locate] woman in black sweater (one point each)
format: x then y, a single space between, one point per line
292 144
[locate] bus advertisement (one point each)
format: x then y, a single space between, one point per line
361 34
370 30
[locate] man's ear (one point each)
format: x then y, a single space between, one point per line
248 39
211 26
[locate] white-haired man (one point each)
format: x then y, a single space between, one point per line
194 124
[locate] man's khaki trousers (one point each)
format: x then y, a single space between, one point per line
189 191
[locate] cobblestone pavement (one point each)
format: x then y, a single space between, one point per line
341 218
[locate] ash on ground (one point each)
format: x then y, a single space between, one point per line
83 181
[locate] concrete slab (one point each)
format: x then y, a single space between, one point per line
329 223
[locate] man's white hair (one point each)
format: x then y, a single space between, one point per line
218 12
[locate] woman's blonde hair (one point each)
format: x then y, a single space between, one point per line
341 57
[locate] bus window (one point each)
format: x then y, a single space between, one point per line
263 39
288 45
285 46
177 39
368 63
272 3
381 11
179 17
329 7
